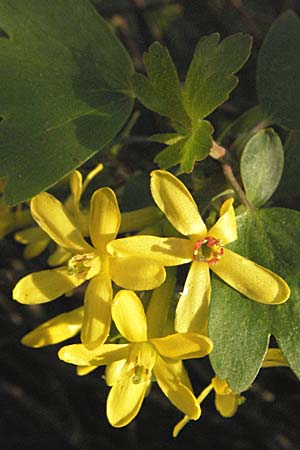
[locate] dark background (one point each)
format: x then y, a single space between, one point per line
44 404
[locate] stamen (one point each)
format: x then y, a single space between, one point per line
138 375
80 264
208 249
141 374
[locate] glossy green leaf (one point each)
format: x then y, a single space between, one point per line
64 90
240 327
187 150
262 165
278 71
210 76
238 133
160 91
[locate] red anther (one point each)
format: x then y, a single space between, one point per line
210 241
199 244
213 255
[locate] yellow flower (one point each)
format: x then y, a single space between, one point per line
205 248
226 400
88 262
131 366
36 240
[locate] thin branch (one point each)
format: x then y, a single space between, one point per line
221 154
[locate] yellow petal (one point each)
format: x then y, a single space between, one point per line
253 281
136 273
44 286
221 386
176 202
192 308
105 354
91 175
225 227
129 316
97 311
180 372
85 370
58 329
105 218
30 235
227 405
76 189
35 249
159 305
165 251
178 394
185 420
183 345
35 239
274 358
125 399
113 371
59 257
52 217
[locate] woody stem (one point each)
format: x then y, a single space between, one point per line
221 154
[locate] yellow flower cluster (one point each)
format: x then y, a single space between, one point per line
149 347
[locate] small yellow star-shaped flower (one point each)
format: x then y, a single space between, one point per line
87 262
132 366
205 249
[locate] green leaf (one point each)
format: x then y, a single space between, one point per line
262 165
161 91
188 149
197 146
171 155
278 71
64 91
238 133
289 186
240 327
210 76
166 138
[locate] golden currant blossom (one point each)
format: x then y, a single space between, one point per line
36 240
205 249
87 262
226 400
132 366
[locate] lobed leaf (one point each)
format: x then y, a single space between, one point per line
186 150
64 91
160 91
210 76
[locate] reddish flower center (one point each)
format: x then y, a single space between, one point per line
208 250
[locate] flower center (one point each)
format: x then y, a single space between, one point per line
208 249
142 358
141 373
80 264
